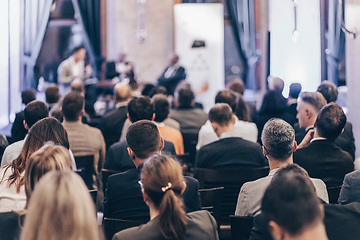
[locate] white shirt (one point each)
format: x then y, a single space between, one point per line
10 200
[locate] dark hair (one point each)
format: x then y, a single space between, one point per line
162 180
328 90
161 107
273 103
72 105
143 138
157 90
34 111
185 97
330 121
27 96
228 97
236 84
294 90
78 48
221 113
52 94
140 108
291 201
44 130
122 92
315 99
242 111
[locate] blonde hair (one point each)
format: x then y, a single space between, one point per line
163 181
61 208
47 158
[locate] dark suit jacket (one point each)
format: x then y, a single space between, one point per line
171 82
323 159
200 226
9 225
229 153
111 125
341 222
350 190
18 131
117 158
124 200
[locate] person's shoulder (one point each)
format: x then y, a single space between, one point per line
200 216
118 146
353 176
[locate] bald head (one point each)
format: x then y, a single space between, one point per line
122 92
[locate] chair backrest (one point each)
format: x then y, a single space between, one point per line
231 180
106 173
333 193
85 167
190 141
112 226
211 200
240 227
93 194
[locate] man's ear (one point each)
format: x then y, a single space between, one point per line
308 113
162 143
145 196
183 187
131 153
27 127
265 152
295 146
153 117
233 119
128 117
276 231
215 126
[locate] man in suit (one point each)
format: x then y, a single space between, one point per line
123 197
350 189
112 123
322 158
294 91
117 158
278 139
172 75
230 151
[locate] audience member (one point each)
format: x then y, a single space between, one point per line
276 84
294 91
230 151
123 198
162 112
162 185
33 112
243 129
322 158
18 131
52 96
350 189
117 157
12 190
3 144
278 139
69 212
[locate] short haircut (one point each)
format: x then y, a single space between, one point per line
27 96
294 90
78 48
140 108
161 107
122 92
143 138
236 84
35 111
278 138
275 84
315 99
52 94
221 113
328 90
228 97
330 121
157 90
291 201
72 105
185 97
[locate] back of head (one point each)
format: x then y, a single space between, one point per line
35 111
273 103
294 90
242 111
52 94
157 90
140 108
221 114
315 99
122 92
278 138
143 138
163 182
161 107
77 85
27 96
228 97
330 121
72 106
185 97
291 202
48 157
275 84
328 90
69 212
236 84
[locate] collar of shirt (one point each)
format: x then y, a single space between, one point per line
272 172
121 104
160 124
229 135
309 127
291 101
318 138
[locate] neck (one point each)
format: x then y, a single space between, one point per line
316 133
273 163
227 128
138 161
153 212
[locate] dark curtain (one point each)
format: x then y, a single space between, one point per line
335 42
90 14
242 15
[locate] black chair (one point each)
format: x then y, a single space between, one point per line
211 200
231 180
85 168
333 193
106 173
190 140
240 227
93 194
112 226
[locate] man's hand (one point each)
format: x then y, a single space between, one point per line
306 141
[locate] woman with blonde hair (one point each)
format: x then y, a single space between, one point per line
162 184
61 208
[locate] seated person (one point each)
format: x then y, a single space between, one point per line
278 139
162 184
350 189
123 197
230 151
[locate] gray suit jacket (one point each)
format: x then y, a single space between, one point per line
350 189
